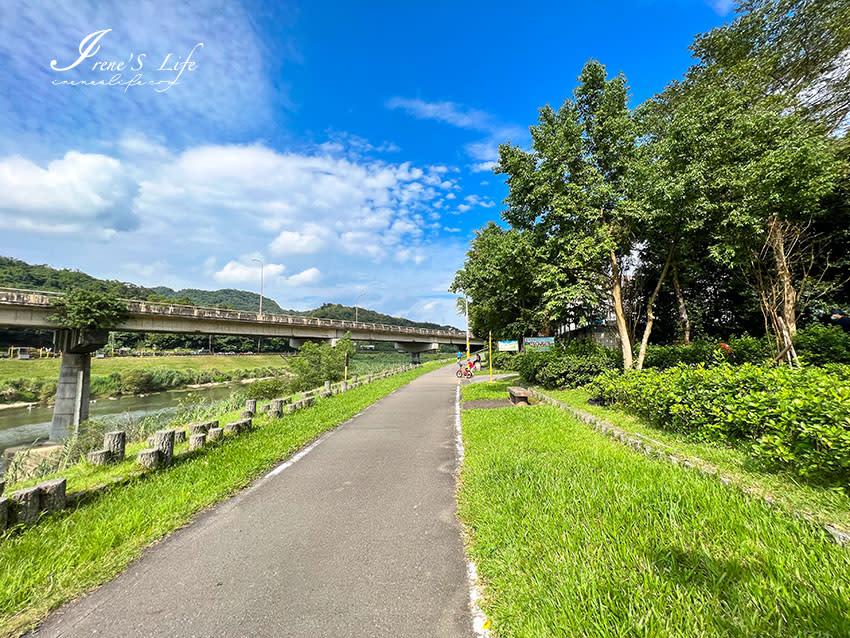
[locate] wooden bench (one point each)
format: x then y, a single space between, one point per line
519 396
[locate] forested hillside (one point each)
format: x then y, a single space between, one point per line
346 313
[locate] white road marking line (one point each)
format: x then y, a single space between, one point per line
478 618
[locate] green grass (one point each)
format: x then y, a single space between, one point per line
576 535
69 553
487 390
827 505
48 369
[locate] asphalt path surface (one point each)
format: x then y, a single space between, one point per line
359 537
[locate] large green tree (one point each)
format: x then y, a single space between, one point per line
504 277
571 190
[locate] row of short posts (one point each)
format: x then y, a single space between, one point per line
26 505
161 450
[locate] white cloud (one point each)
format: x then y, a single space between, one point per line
78 192
236 271
464 207
449 112
485 151
450 196
721 7
475 200
482 167
290 242
309 276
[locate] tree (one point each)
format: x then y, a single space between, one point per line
501 278
759 172
572 192
799 49
87 310
319 362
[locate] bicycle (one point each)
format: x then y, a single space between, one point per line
464 371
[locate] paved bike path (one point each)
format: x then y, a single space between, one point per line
357 538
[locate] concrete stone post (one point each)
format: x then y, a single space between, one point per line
196 441
27 505
53 496
115 442
163 440
327 386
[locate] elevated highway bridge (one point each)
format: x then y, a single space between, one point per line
31 309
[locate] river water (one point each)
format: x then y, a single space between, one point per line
22 426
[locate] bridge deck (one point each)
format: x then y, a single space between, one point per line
30 309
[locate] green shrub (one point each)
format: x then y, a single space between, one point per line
796 419
137 381
703 351
274 388
566 366
505 360
819 345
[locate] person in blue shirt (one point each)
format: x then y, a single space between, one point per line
840 319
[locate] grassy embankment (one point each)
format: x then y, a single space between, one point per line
575 534
35 380
71 552
825 504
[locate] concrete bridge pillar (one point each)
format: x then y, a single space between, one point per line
73 389
415 349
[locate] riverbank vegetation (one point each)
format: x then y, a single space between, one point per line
35 380
73 551
575 534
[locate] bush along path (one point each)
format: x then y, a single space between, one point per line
576 535
659 450
119 507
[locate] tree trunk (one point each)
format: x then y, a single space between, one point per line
789 294
650 316
683 310
622 327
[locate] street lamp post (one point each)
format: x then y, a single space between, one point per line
261 297
356 300
466 306
261 285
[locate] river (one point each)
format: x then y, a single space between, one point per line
21 426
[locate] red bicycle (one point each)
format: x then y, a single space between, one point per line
464 371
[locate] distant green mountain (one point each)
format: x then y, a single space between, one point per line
226 297
15 273
346 313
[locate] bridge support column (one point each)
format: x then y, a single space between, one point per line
73 389
415 349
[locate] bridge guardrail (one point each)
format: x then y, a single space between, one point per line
42 298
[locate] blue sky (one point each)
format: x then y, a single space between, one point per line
347 145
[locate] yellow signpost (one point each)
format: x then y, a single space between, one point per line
490 356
